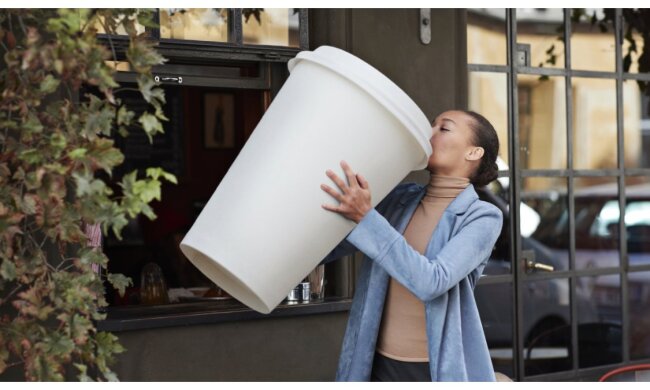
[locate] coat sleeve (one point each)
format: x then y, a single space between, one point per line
345 248
429 278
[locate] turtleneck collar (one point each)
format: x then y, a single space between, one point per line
445 187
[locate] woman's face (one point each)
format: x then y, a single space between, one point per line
451 142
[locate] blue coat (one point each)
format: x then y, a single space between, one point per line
444 280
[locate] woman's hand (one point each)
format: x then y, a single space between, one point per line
354 202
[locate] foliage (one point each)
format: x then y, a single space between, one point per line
636 27
57 156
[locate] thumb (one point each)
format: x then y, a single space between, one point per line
362 181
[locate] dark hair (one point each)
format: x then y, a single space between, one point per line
486 137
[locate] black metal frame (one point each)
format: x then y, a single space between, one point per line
204 51
518 276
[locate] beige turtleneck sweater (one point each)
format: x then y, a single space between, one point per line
402 334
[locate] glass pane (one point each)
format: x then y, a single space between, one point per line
486 36
594 123
542 122
636 123
497 194
544 221
592 45
637 219
600 335
639 312
199 24
627 43
271 26
542 29
494 305
99 25
488 95
547 326
597 217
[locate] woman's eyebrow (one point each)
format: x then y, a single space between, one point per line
447 119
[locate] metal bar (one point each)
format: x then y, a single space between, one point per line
575 172
636 76
568 102
638 268
618 28
488 68
235 32
515 180
494 279
303 17
637 172
597 172
565 274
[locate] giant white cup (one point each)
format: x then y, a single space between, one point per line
263 230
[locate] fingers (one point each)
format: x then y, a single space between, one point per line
362 181
352 179
330 207
337 180
335 194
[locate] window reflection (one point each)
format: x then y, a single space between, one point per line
271 26
599 320
488 95
592 45
540 28
636 123
594 123
639 312
597 216
543 220
542 122
637 219
486 36
547 329
200 24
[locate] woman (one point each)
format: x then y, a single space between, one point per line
413 316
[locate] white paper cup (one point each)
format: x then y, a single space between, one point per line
263 230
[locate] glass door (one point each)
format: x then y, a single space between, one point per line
562 297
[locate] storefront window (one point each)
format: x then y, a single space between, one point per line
600 334
639 312
542 122
592 44
539 29
199 24
547 326
488 95
486 36
544 221
271 26
597 217
594 123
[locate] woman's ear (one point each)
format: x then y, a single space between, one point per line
474 153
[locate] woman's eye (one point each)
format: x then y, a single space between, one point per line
443 129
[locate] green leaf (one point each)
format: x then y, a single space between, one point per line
77 153
124 116
119 282
151 125
8 271
155 173
31 156
49 84
83 376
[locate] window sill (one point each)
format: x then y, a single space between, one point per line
127 318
